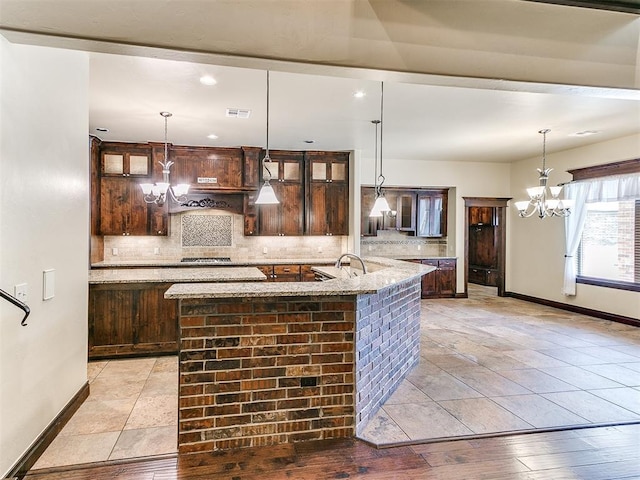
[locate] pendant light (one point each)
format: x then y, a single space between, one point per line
544 200
157 192
266 196
380 205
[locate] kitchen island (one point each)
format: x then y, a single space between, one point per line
268 363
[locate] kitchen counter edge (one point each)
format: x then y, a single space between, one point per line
393 272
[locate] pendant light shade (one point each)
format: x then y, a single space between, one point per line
266 196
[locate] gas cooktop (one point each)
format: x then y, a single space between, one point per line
206 260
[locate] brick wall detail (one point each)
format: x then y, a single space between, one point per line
263 371
387 345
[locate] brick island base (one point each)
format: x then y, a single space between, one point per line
280 369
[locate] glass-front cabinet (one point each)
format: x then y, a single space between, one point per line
431 221
418 212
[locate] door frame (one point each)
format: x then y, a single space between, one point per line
500 204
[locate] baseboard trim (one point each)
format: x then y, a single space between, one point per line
576 309
38 447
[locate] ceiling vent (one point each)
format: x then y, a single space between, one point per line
238 113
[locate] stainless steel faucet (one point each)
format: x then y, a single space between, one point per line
351 255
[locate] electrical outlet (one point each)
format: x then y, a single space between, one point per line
20 292
320 249
264 250
114 251
419 247
156 251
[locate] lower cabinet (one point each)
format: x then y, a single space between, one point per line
131 319
442 281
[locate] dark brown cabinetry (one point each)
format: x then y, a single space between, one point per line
442 281
419 212
328 193
282 273
431 214
131 319
207 168
482 216
286 217
123 210
483 246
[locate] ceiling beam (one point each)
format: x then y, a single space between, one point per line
626 6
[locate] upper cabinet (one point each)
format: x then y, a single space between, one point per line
125 164
328 193
207 168
482 216
287 217
123 211
419 212
432 214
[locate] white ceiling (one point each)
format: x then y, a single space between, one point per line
465 80
421 122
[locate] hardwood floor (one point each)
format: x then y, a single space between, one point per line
596 453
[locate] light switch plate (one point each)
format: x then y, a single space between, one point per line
20 292
48 284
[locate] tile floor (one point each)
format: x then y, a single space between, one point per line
494 365
489 365
132 411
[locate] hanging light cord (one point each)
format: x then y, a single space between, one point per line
544 148
266 156
381 176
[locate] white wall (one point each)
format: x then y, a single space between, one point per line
465 179
535 248
44 218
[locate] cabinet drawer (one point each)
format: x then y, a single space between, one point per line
447 263
289 273
477 275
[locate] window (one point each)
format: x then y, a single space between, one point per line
610 244
602 234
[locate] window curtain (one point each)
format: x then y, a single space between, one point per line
606 189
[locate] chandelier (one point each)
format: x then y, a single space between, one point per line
380 205
266 195
544 201
157 192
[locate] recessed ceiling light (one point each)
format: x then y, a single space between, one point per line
359 94
238 113
102 129
585 133
212 136
208 80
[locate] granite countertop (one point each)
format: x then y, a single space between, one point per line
174 275
387 272
233 263
423 257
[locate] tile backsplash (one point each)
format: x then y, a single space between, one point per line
389 243
214 233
